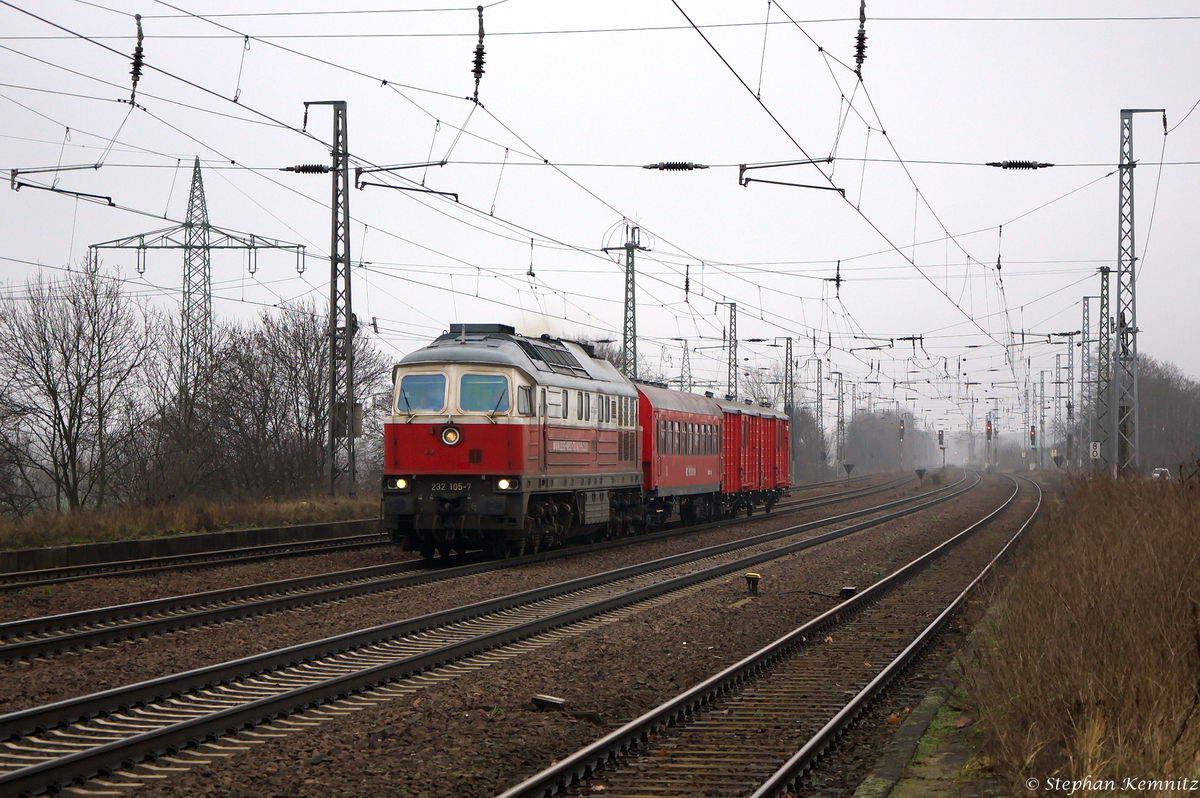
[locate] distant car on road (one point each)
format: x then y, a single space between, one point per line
1160 475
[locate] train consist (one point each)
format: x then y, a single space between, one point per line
506 443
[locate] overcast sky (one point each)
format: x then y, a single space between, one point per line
575 99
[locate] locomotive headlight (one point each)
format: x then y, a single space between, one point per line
508 483
396 483
451 436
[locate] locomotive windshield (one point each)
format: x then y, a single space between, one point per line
483 393
421 392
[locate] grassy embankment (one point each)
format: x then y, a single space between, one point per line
1090 664
177 518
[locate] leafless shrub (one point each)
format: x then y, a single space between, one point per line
1091 661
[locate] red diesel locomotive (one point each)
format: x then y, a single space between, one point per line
506 443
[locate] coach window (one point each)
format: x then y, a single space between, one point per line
422 392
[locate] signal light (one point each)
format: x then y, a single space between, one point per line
989 430
941 441
901 430
1033 437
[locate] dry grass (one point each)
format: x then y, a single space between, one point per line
124 523
1091 661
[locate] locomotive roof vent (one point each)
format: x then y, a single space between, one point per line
548 357
482 329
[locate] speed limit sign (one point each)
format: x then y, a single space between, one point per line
1095 450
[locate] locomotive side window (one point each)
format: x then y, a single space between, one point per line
525 400
421 392
579 405
483 393
566 403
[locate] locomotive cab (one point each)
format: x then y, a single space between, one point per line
503 443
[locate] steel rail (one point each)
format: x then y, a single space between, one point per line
783 779
115 704
55 634
17 724
585 761
15 580
69 573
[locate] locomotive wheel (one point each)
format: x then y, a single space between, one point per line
527 538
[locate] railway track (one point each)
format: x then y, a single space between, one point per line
15 580
110 733
756 728
56 634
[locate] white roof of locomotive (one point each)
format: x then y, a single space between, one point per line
547 361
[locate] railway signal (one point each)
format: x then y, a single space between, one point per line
942 441
901 430
1033 437
989 429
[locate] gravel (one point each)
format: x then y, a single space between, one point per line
55 678
474 735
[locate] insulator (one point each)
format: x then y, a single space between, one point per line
308 169
138 58
478 70
675 166
1020 164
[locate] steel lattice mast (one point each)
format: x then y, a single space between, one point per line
1125 362
197 238
685 377
196 322
1087 390
341 315
632 244
1104 373
732 389
789 380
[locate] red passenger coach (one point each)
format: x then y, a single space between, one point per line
757 464
681 454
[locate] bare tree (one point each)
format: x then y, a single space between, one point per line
71 352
